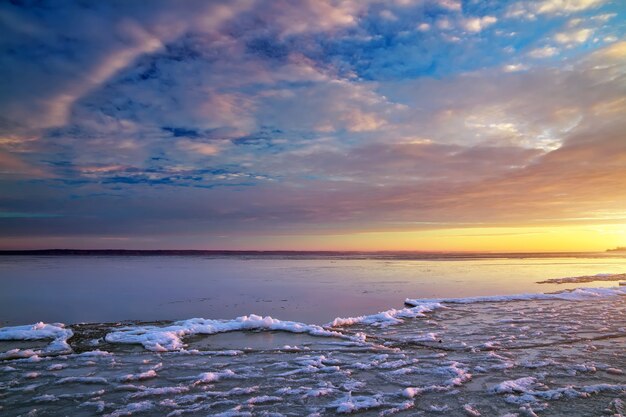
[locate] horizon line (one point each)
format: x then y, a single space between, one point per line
61 251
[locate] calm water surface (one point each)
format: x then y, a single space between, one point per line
115 288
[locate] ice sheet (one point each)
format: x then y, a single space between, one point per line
542 354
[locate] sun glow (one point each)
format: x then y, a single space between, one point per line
584 238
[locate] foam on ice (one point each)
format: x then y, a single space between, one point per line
168 338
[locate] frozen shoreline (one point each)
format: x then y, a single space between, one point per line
524 355
170 337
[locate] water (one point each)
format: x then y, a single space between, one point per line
312 290
547 355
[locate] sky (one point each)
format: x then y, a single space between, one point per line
418 125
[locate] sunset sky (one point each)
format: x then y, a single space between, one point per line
313 125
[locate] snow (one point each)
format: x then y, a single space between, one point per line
140 376
208 377
351 404
388 317
518 385
132 408
540 355
147 392
411 392
578 294
471 411
38 331
584 278
82 380
169 338
264 399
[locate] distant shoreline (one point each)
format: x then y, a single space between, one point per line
620 249
391 255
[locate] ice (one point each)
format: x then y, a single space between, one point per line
388 317
148 392
584 278
98 405
45 398
350 404
140 376
518 385
264 399
38 331
132 408
406 405
208 377
471 411
411 392
578 294
169 338
83 380
438 408
504 356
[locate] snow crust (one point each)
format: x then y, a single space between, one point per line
38 331
351 404
388 317
578 294
584 278
169 338
538 355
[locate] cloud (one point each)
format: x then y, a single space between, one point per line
206 149
514 67
543 52
11 165
575 36
454 5
563 6
249 117
530 9
477 24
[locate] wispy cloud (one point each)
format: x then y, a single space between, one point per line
214 118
